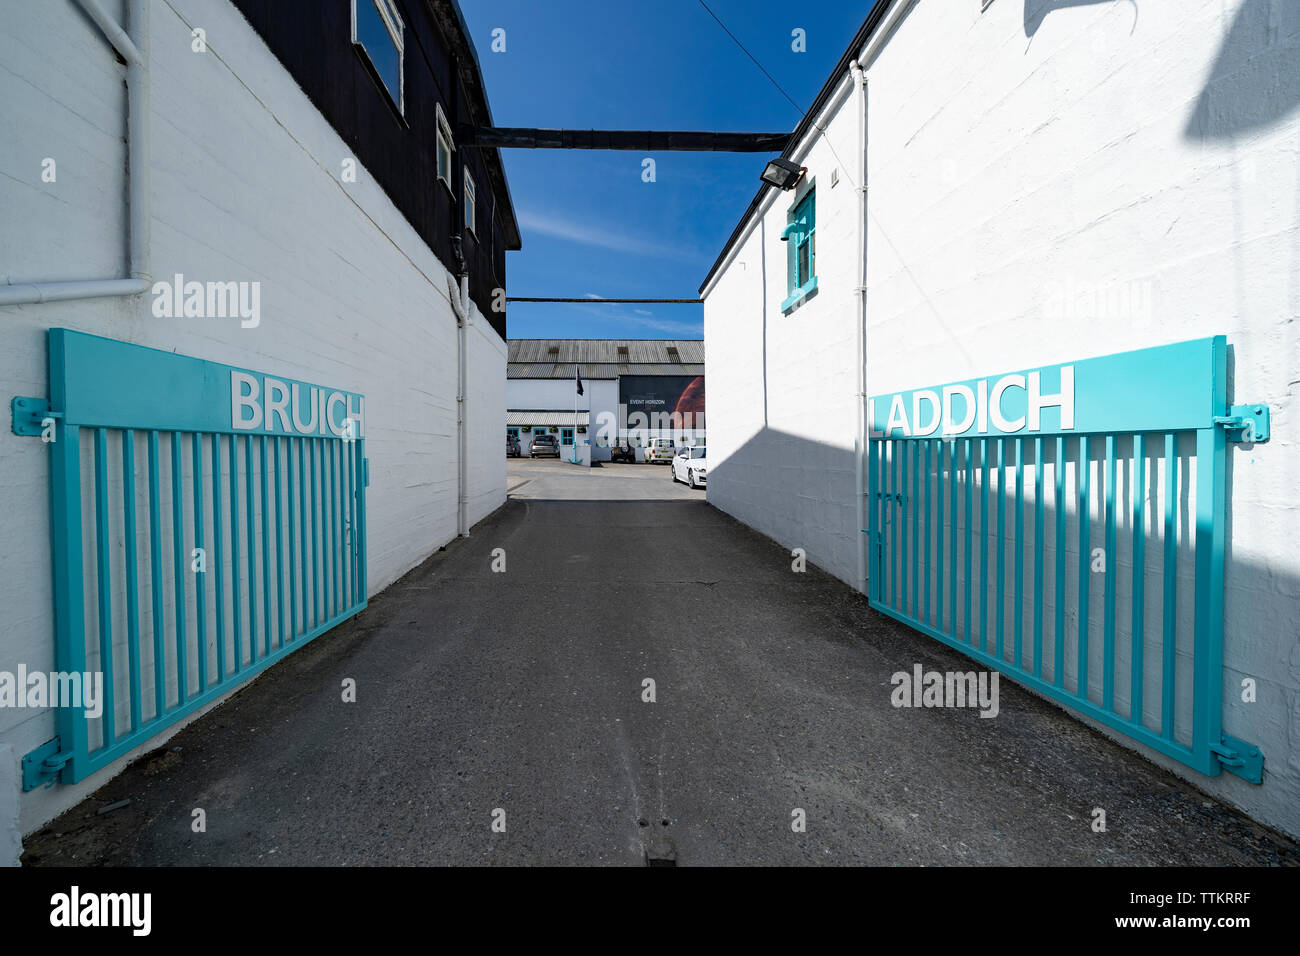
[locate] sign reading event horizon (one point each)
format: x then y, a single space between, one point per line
120 385
1156 389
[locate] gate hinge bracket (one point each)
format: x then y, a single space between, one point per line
41 767
1240 758
29 416
1245 423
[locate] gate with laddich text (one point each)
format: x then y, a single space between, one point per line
1065 525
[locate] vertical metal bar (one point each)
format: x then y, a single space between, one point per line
360 519
894 515
353 597
293 538
331 450
938 536
873 523
878 517
905 504
1139 575
1058 503
345 525
929 530
984 544
1207 660
69 596
312 449
178 566
1018 625
277 441
1108 612
952 536
200 583
104 587
302 532
132 575
1000 592
236 614
218 566
917 521
1038 556
1085 560
970 530
155 580
1169 652
266 547
250 525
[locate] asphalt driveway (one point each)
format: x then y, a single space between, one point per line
518 698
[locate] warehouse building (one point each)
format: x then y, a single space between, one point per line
633 390
1086 223
248 326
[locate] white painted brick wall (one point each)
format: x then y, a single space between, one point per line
245 187
1106 184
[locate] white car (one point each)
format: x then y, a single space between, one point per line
691 466
660 449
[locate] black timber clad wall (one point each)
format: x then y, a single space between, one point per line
316 49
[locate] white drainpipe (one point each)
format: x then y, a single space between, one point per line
461 304
857 71
860 442
135 50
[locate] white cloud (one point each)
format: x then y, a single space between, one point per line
592 234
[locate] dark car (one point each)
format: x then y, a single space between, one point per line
545 445
622 454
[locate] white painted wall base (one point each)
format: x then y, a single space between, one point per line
11 842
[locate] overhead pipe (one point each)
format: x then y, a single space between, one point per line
134 49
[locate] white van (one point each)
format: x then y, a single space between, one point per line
660 449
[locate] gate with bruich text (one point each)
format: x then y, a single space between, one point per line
206 521
1065 525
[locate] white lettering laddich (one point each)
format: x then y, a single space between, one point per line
1064 399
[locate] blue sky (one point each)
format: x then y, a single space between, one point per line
590 225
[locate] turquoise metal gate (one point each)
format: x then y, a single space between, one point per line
206 521
1124 627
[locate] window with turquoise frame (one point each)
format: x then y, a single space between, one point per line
801 257
566 436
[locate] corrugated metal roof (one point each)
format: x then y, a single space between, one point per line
517 419
607 351
595 371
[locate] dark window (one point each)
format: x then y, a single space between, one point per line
378 30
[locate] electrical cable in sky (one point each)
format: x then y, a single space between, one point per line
752 57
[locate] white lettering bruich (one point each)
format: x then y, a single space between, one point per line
298 410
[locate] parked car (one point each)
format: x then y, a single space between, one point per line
512 446
545 445
660 449
691 466
627 454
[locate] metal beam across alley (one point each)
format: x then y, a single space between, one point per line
514 137
522 298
